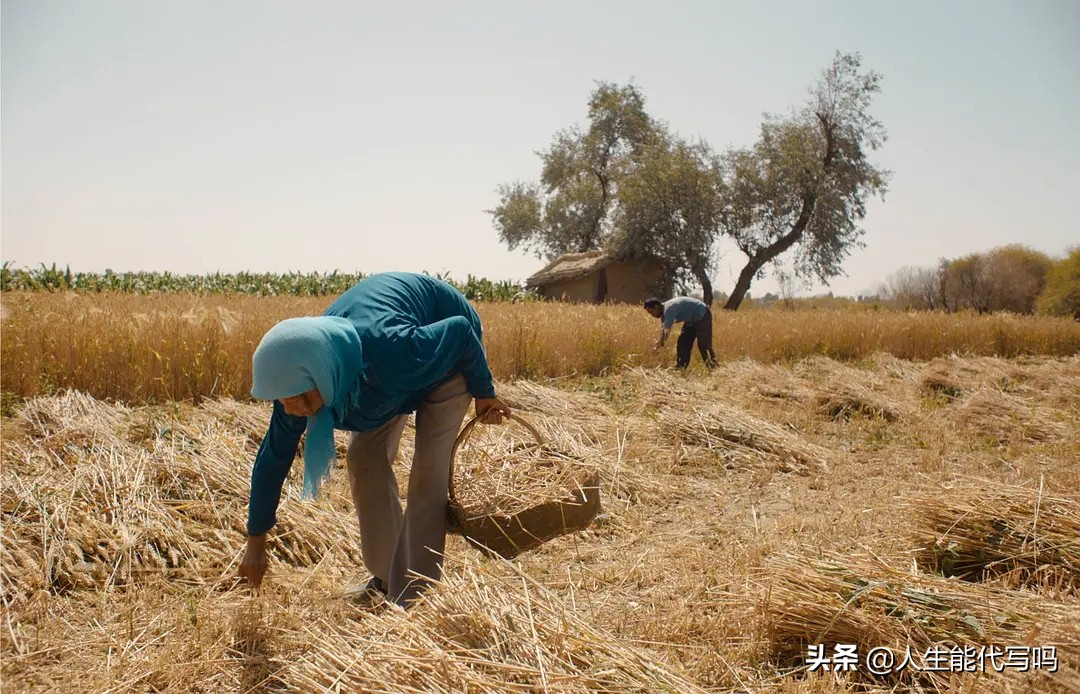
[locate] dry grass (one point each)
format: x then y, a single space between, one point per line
694 415
578 414
1056 384
774 381
501 470
484 630
101 500
112 496
865 601
1015 536
952 377
179 347
833 390
712 566
842 403
1002 417
721 427
847 392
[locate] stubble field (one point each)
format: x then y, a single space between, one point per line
926 504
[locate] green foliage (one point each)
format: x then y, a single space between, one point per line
804 185
629 185
670 206
50 278
570 210
624 184
1061 296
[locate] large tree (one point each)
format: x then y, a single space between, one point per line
804 185
569 210
669 208
624 184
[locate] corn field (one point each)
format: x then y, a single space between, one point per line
51 278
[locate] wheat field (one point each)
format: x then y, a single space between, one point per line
177 347
749 513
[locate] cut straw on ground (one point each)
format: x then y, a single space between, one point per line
1004 418
501 470
123 527
862 600
1014 536
722 427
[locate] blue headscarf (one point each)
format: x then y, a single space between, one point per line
299 354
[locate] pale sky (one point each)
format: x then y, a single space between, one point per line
196 136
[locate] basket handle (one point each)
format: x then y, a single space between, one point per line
467 430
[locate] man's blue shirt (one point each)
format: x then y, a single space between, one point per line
682 309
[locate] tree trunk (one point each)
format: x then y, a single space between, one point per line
758 260
809 201
706 286
741 286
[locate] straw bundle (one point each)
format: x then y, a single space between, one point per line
249 420
666 382
938 378
554 402
1019 536
1054 380
654 388
835 390
509 494
817 368
719 426
71 418
767 380
893 367
861 600
952 376
588 413
706 427
90 502
1005 418
844 400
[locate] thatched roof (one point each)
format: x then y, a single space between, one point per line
570 266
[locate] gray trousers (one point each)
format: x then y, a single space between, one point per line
404 550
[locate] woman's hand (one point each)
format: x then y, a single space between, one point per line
491 410
253 565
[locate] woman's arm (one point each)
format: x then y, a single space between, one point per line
271 467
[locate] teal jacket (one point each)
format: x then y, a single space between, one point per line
415 332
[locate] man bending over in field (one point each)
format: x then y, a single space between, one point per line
696 318
395 343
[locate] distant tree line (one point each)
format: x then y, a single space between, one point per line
1011 278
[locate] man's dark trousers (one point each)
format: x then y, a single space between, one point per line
700 331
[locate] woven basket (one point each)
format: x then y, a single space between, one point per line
509 534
